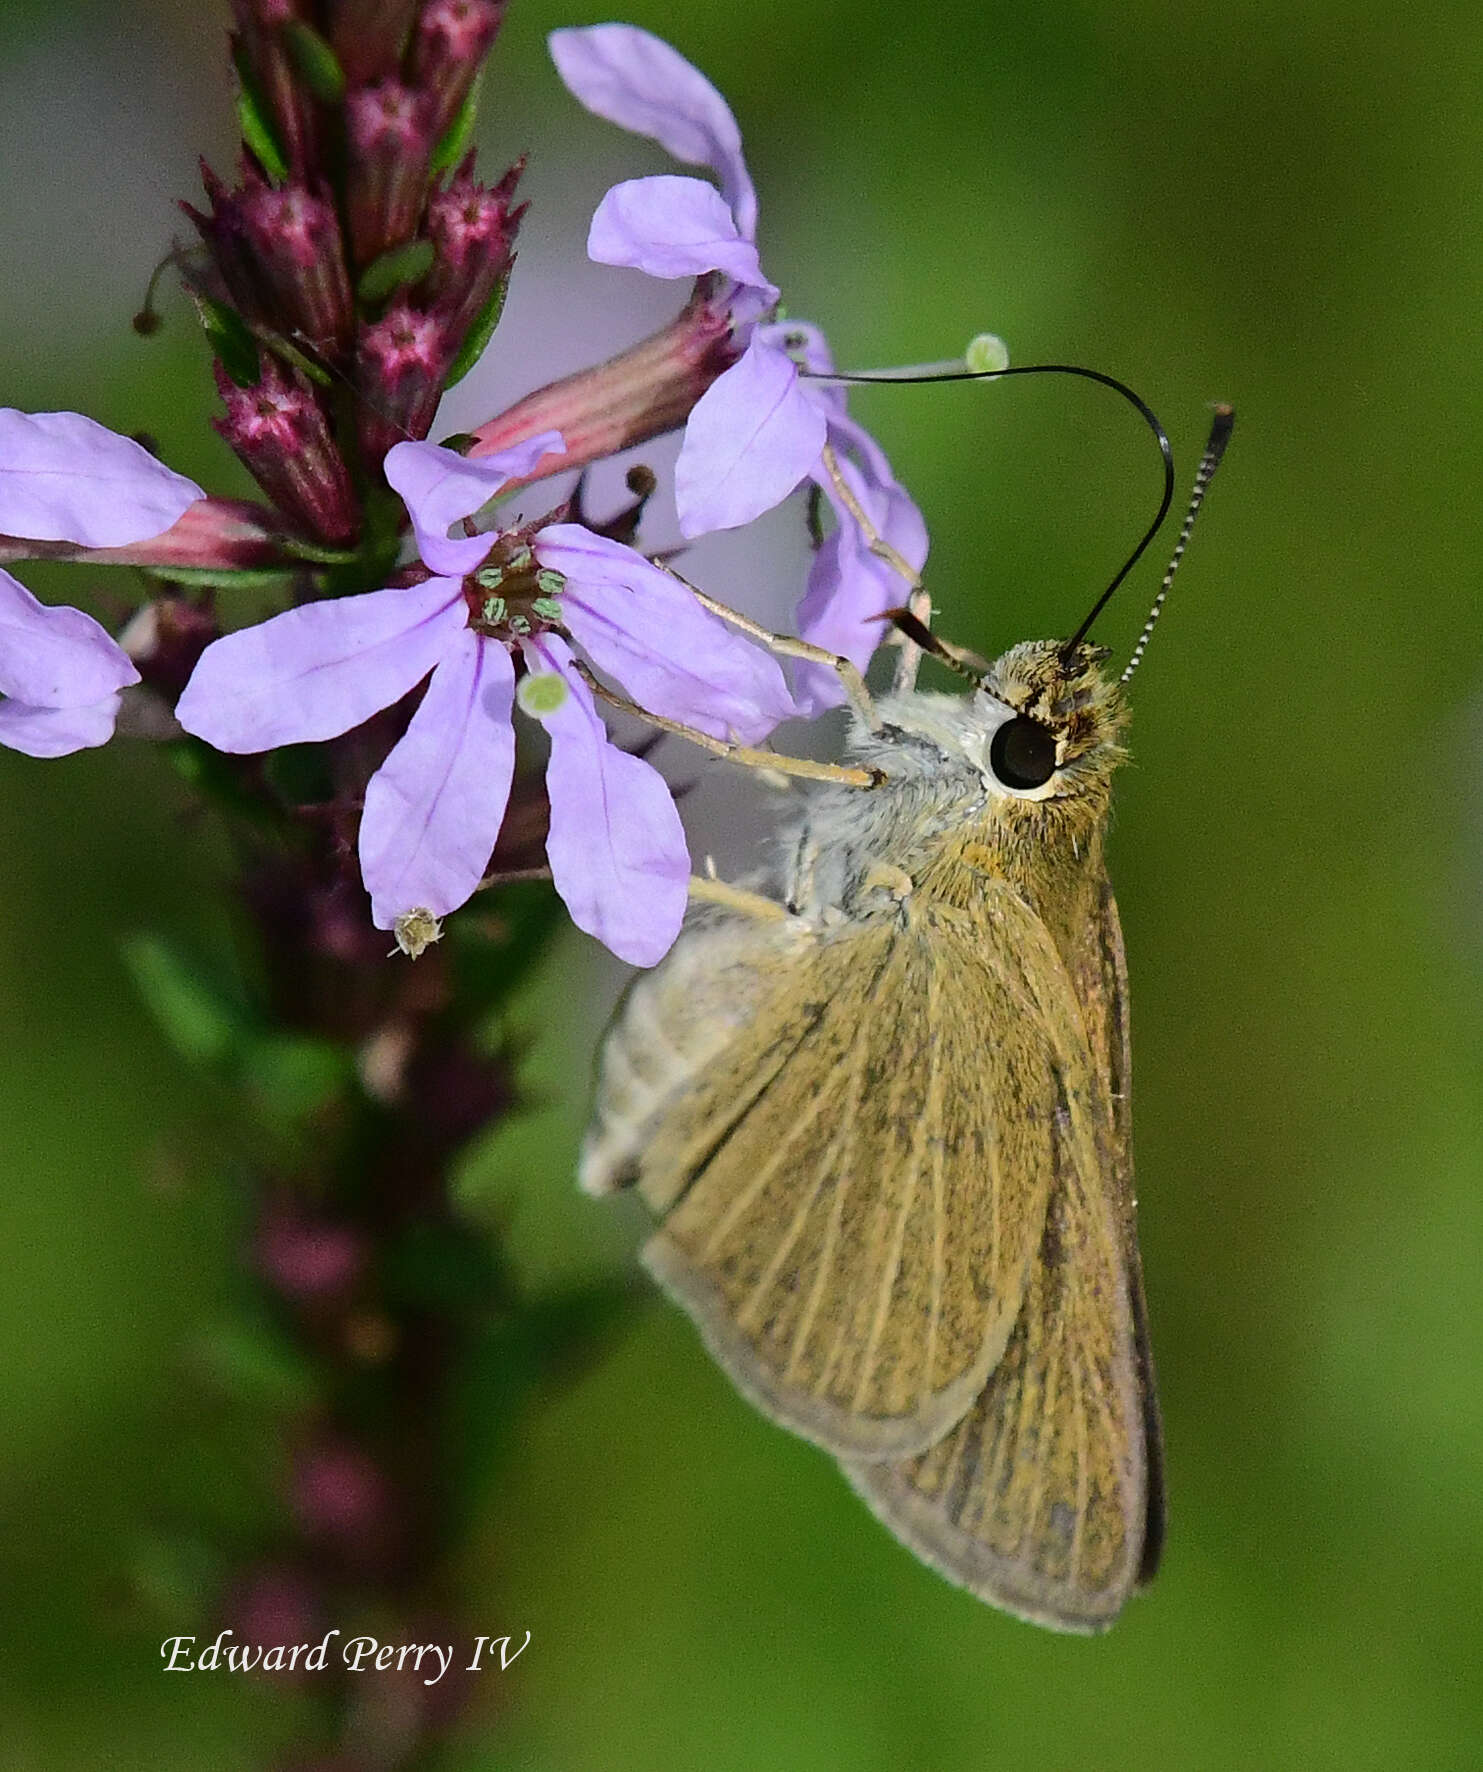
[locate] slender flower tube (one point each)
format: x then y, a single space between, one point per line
433 809
65 479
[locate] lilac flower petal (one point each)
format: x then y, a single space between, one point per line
752 436
65 478
434 807
849 589
56 658
637 81
315 672
56 732
616 847
806 345
642 626
673 227
439 486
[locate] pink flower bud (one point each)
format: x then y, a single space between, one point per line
294 237
400 363
453 37
390 144
341 1496
280 434
307 1258
261 44
473 229
369 37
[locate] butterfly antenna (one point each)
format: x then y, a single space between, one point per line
1221 427
957 369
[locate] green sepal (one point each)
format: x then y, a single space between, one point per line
393 270
450 149
221 578
231 338
258 134
479 334
315 61
288 352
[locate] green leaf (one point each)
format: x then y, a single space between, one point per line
251 1361
450 149
402 265
315 61
548 1340
450 1267
479 334
202 1022
258 137
294 1075
493 951
230 337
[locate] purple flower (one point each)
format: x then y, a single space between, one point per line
434 808
64 478
760 428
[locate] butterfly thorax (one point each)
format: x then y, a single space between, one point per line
942 822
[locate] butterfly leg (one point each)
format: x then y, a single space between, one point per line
747 755
785 646
707 889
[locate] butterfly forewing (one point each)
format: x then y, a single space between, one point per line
1045 1499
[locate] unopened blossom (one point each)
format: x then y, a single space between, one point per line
434 808
64 478
761 428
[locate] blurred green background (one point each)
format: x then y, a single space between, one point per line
1275 205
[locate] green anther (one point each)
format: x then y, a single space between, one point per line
986 354
541 693
518 558
519 625
552 583
494 610
490 577
547 608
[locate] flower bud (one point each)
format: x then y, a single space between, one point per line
306 1257
295 238
472 226
342 1498
390 145
401 360
453 37
280 434
226 237
262 50
369 37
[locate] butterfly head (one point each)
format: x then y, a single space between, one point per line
1057 721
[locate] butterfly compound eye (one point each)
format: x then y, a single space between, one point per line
1022 753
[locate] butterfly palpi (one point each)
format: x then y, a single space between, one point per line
882 1120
